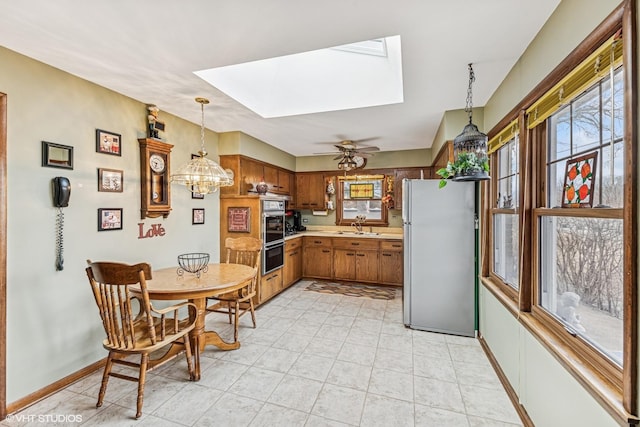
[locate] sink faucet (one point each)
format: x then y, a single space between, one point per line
358 224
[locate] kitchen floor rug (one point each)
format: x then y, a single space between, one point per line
353 290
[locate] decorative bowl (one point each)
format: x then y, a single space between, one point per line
195 262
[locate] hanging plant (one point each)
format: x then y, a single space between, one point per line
467 167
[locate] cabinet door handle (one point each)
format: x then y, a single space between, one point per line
317 242
324 251
350 254
384 254
396 246
355 244
360 254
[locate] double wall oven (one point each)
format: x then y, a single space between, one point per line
272 234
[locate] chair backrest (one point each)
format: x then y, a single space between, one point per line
110 284
243 250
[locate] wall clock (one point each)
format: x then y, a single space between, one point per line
155 197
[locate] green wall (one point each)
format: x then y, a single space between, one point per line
53 326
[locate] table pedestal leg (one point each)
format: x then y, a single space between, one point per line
201 338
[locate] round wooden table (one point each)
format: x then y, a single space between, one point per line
166 284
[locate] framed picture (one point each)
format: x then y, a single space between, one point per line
109 219
239 219
57 155
361 191
580 174
110 180
108 142
197 216
195 195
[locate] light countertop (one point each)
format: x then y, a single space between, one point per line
375 233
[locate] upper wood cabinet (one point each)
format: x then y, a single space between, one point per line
444 156
285 181
408 173
248 172
310 191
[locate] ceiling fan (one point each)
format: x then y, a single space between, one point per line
351 154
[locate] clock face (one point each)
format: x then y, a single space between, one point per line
360 162
156 162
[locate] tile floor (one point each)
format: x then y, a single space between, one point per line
314 360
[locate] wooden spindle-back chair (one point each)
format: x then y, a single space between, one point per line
241 250
130 333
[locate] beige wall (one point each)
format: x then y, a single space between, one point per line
240 143
452 124
53 327
570 23
549 394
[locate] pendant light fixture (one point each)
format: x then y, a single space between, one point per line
201 175
470 147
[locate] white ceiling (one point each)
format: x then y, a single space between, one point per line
149 50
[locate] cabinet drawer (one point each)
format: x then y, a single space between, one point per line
355 243
292 244
317 241
391 245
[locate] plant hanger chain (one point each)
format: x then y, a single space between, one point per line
472 77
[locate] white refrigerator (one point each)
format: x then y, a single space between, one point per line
439 226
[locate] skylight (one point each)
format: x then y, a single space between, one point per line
357 75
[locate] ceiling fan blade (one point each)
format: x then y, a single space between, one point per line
341 156
359 141
328 153
365 155
369 148
340 147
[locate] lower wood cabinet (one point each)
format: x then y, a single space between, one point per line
344 264
317 257
270 285
292 270
356 259
391 262
367 265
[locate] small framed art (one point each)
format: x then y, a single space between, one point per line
109 219
580 175
239 219
57 155
197 216
108 142
110 180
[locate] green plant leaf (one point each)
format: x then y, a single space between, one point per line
443 182
443 172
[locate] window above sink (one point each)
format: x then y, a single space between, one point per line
361 196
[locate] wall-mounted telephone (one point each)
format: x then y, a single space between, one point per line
61 194
61 191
